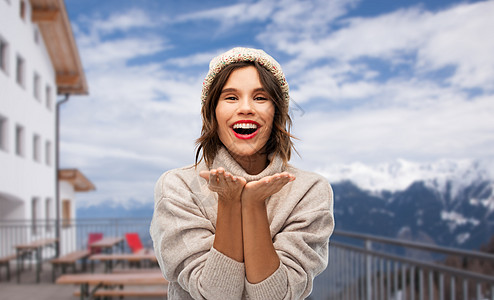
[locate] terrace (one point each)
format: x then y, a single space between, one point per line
360 266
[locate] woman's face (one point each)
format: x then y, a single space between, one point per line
244 113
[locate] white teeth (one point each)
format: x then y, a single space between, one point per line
245 126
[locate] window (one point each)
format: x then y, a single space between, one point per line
3 133
20 66
36 36
66 215
36 86
36 148
48 214
34 214
48 96
4 52
19 140
48 153
22 10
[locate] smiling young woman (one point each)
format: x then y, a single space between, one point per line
242 223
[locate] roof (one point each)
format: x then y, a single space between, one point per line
77 179
53 22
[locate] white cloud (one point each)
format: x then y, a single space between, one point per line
233 14
461 37
196 59
118 21
457 37
125 21
142 118
456 130
103 54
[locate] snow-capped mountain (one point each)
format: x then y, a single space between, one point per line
450 203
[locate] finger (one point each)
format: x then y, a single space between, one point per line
213 176
229 177
288 175
221 176
204 174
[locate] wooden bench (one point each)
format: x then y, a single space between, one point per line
5 262
134 271
129 293
69 259
118 284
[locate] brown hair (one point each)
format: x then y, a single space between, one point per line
279 142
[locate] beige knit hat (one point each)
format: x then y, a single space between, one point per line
240 54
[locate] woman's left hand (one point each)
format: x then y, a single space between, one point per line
259 191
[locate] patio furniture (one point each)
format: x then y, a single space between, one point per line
69 259
107 244
36 248
130 258
119 280
134 242
5 262
92 238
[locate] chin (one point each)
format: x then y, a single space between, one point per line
245 151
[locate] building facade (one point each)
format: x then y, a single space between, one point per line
39 62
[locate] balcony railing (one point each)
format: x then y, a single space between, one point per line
371 267
360 266
73 233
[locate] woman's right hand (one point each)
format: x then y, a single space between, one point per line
227 186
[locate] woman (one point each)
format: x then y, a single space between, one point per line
242 223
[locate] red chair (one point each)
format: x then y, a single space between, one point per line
94 237
134 242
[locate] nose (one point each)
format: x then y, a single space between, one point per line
245 106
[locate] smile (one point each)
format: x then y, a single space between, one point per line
245 129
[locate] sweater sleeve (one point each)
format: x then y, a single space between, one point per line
183 242
302 245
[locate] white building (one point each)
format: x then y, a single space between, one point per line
38 61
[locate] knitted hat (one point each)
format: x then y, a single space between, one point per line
240 54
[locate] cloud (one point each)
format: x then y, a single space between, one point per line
232 14
444 129
197 59
410 83
134 18
458 37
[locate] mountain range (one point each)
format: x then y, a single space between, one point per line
448 203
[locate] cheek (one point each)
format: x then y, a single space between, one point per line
269 116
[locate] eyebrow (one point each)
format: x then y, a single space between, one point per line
229 90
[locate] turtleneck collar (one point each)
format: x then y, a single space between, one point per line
224 159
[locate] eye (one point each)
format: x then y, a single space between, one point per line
231 98
261 98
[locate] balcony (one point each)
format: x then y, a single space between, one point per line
360 266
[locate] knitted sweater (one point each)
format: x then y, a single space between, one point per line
183 228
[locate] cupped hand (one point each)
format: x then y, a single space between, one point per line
259 191
228 186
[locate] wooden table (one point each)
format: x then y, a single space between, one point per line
35 247
99 280
123 257
107 244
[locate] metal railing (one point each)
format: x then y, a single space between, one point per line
73 233
370 267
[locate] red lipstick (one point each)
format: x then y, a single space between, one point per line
249 135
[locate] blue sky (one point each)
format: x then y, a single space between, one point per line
371 82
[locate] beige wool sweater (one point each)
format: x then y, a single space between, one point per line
183 228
